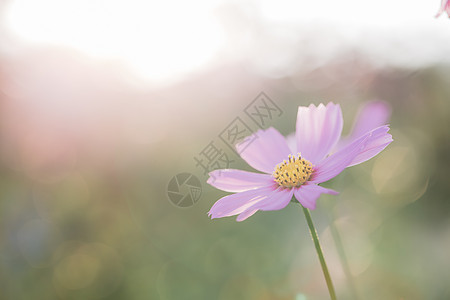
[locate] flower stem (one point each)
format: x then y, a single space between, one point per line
315 238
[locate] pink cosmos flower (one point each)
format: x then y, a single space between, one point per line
288 173
445 6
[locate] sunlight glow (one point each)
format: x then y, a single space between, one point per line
160 40
164 41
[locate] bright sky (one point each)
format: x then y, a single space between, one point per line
166 40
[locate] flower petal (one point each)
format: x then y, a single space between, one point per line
231 180
318 130
371 115
445 6
246 214
308 194
360 150
374 145
264 150
276 200
237 203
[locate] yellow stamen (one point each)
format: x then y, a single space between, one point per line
292 173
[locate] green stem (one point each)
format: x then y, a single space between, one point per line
315 238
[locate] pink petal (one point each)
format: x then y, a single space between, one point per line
246 214
445 6
360 150
308 194
237 203
379 141
276 200
371 115
231 180
318 130
266 149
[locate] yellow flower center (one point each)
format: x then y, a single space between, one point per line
292 173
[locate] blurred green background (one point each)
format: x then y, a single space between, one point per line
87 151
